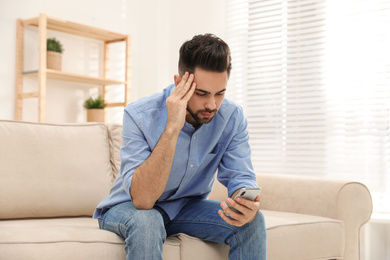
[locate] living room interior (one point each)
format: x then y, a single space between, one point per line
313 143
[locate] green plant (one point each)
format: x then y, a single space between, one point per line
91 103
54 45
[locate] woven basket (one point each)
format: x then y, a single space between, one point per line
54 60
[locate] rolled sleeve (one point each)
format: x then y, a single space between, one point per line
134 150
235 170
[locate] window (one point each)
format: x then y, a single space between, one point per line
313 77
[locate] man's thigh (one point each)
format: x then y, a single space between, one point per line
199 218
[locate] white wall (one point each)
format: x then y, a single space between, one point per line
158 28
376 238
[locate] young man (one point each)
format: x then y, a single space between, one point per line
173 144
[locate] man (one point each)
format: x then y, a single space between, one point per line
173 144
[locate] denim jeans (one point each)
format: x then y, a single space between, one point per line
145 231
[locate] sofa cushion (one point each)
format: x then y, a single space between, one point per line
299 236
303 236
50 170
74 238
289 237
192 248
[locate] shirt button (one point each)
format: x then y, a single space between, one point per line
194 137
191 165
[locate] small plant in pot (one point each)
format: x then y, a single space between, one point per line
95 109
54 51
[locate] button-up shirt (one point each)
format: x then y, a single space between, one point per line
220 146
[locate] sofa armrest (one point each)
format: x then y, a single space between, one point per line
349 202
314 196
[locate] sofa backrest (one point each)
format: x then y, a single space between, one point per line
55 170
115 139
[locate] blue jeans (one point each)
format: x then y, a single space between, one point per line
145 231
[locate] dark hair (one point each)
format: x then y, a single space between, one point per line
207 52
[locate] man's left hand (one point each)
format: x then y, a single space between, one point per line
248 211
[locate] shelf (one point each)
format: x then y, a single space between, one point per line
77 29
65 76
44 23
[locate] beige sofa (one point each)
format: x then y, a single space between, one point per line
53 176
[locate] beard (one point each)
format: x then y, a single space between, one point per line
199 118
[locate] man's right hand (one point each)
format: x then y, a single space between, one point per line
177 102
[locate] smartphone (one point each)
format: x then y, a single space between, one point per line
246 193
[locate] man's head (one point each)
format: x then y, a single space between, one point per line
207 52
208 58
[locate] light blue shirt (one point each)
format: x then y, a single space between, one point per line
219 145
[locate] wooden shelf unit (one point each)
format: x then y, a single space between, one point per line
45 23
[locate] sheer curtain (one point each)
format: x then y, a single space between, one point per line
313 77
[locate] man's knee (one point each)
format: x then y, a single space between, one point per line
258 224
128 222
259 220
146 223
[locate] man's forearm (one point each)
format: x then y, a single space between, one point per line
151 177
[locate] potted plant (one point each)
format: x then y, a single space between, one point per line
95 109
54 51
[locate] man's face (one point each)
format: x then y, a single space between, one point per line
208 96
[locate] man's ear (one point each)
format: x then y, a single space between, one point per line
177 79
